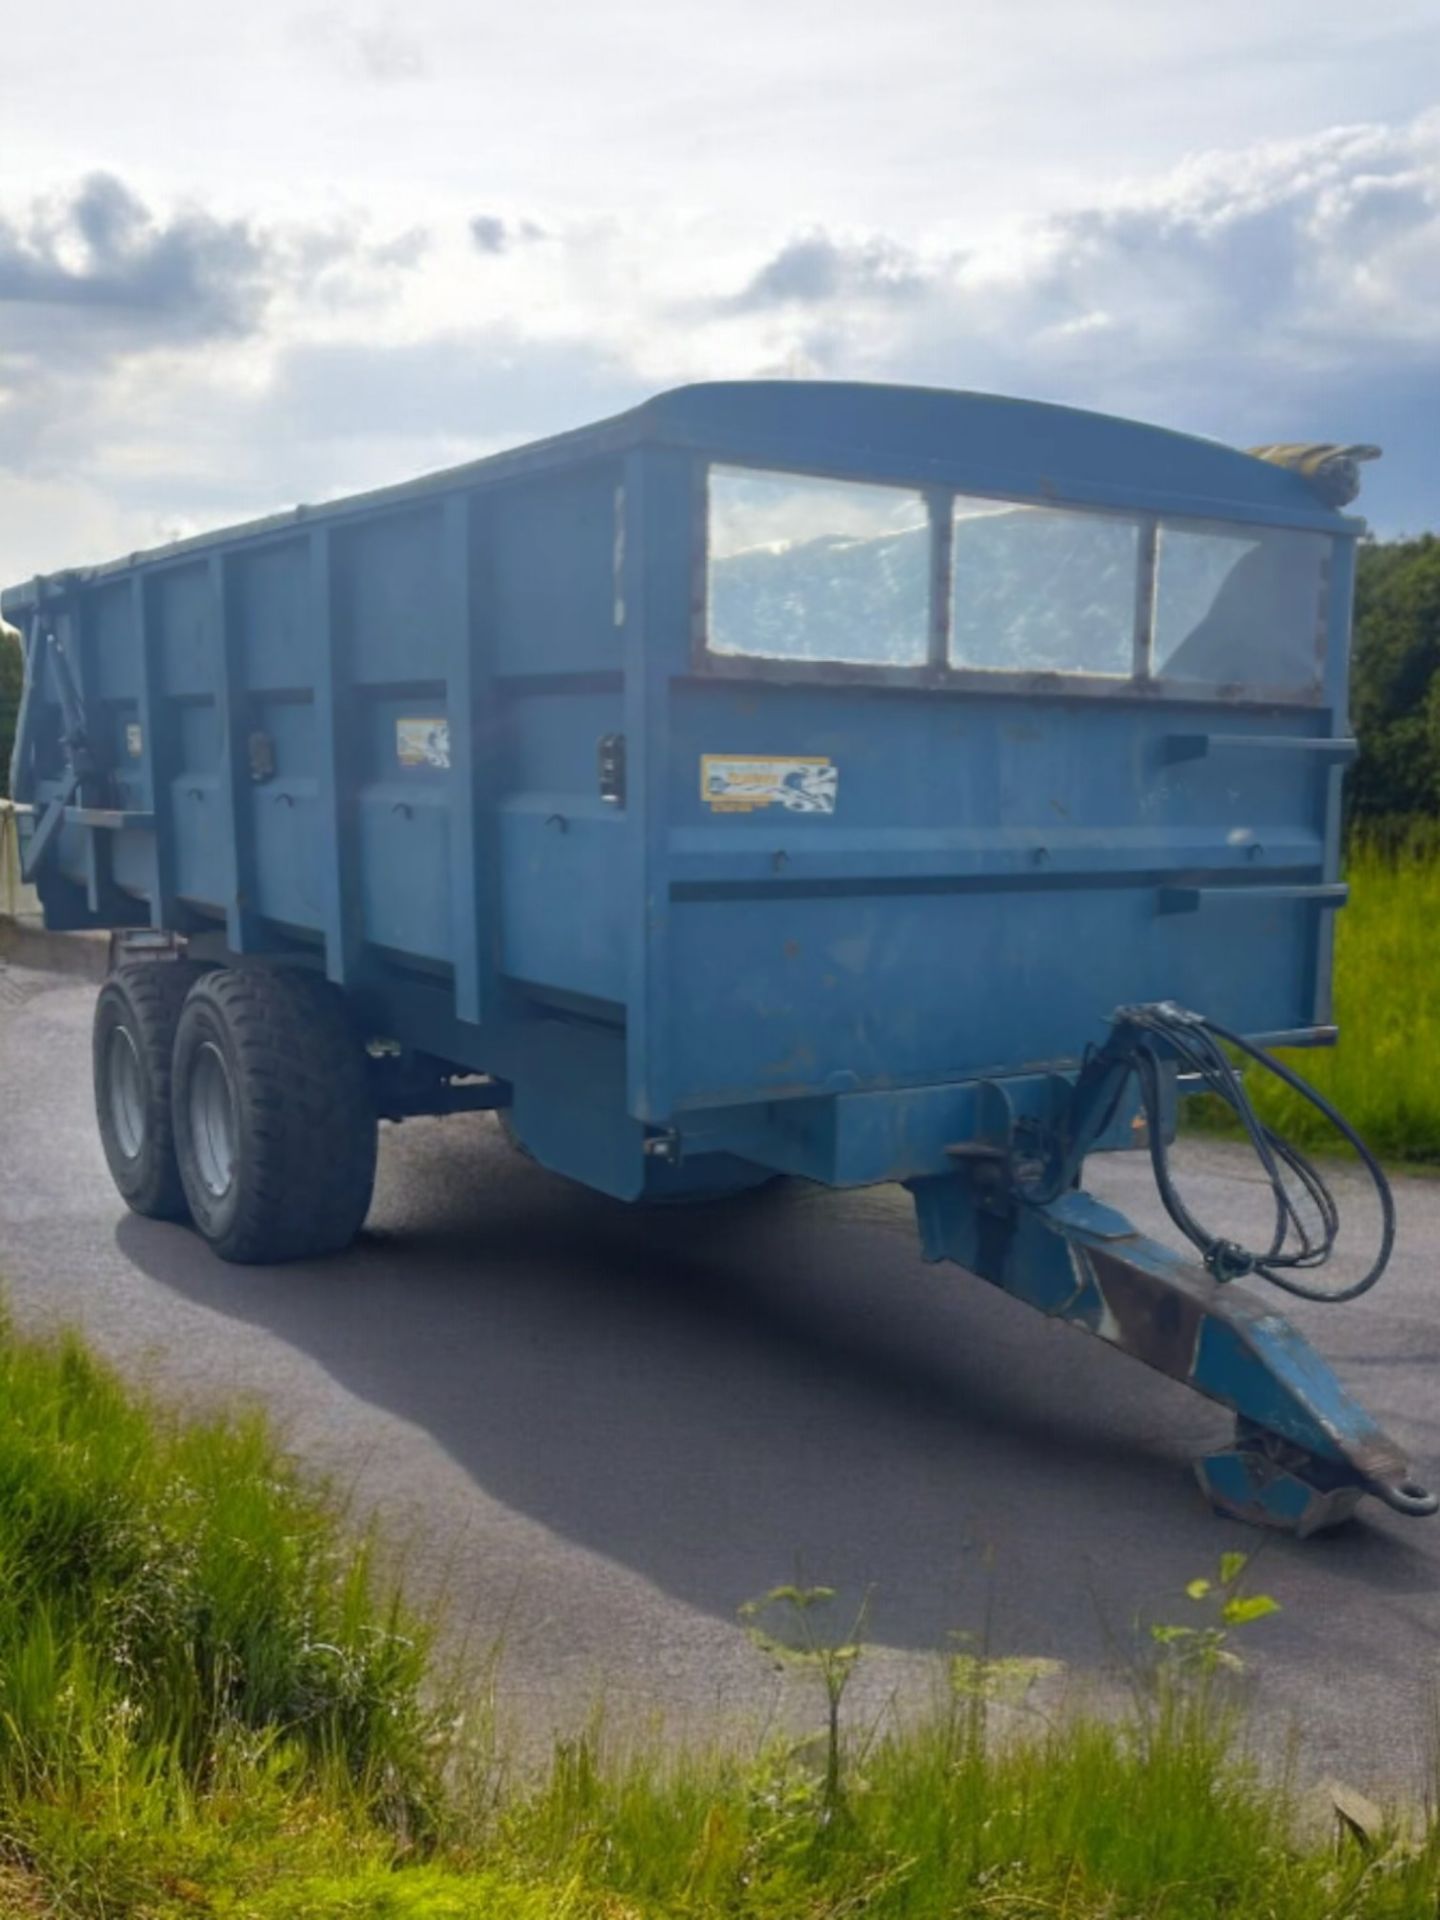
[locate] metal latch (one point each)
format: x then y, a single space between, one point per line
610 757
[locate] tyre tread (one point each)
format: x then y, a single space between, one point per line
306 1114
155 992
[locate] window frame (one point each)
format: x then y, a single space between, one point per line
938 673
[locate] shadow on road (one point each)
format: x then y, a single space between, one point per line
707 1395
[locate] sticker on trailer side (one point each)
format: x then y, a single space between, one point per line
744 782
422 742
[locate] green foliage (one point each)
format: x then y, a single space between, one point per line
206 1710
12 674
784 1625
1395 681
1384 1073
1152 1814
178 1613
1000 1680
1203 1648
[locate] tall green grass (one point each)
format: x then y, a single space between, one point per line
179 1618
209 1706
1384 1072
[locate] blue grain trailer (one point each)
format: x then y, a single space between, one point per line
846 782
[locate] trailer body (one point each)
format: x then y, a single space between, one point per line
460 740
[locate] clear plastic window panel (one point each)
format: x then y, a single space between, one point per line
1239 606
802 568
1042 589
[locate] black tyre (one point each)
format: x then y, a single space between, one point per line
134 1036
275 1128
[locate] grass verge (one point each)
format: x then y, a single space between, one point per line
1384 1072
207 1706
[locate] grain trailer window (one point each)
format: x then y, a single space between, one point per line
1240 605
803 568
1041 589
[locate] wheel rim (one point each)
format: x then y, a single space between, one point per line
213 1126
126 1086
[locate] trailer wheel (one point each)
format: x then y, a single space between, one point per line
275 1128
133 1039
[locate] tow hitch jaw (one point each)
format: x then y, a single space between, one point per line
1304 1452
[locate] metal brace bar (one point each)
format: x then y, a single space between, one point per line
1191 899
22 785
1199 746
34 850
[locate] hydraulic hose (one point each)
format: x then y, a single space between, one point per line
1298 1245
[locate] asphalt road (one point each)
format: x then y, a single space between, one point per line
597 1431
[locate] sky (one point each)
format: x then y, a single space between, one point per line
283 251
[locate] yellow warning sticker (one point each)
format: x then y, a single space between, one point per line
743 782
422 742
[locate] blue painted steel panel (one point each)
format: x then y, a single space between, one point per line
389 601
559 617
112 643
273 617
185 617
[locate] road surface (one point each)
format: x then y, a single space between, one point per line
597 1431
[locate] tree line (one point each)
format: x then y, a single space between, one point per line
1395 685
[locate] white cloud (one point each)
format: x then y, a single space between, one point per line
1316 252
1274 292
375 47
167 362
98 264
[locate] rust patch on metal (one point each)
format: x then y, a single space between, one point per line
1155 1322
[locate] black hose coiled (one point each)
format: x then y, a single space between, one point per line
1297 1245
